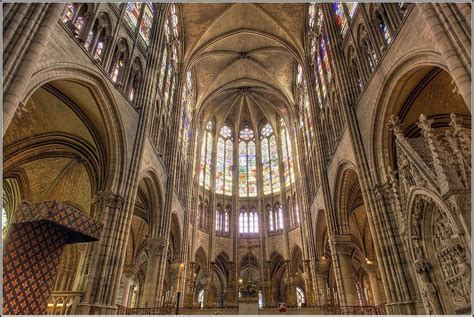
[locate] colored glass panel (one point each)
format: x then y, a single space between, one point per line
228 167
220 166
267 180
274 165
252 169
243 169
132 13
340 17
146 23
351 8
324 53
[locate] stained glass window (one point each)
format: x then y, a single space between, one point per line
325 55
146 23
287 157
321 76
271 176
340 16
247 163
174 20
248 221
206 151
132 14
201 298
300 299
312 14
187 99
387 37
224 161
275 217
351 8
4 222
163 68
69 13
222 219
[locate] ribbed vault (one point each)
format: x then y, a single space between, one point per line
243 57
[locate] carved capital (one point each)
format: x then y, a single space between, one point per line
155 246
109 199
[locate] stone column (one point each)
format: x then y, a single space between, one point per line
310 298
155 251
189 291
449 46
127 281
346 284
322 270
230 291
269 299
34 43
374 285
290 295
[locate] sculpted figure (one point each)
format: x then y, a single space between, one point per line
430 294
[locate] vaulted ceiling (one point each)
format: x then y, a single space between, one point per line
243 57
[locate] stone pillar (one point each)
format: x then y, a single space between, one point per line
449 46
269 299
322 269
210 296
127 282
155 251
308 279
370 268
290 295
346 284
26 51
189 291
230 291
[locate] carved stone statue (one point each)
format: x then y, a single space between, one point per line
430 294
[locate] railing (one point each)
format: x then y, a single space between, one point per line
354 310
63 303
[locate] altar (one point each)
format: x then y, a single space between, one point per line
248 305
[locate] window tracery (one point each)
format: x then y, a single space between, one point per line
248 221
206 151
247 163
271 171
287 156
224 161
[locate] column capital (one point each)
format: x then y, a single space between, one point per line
155 246
343 244
109 198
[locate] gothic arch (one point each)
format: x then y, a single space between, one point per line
397 76
109 124
346 179
439 254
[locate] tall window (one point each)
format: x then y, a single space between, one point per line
340 17
4 222
134 17
247 163
224 161
320 58
248 221
271 171
187 100
383 28
206 153
305 112
300 298
222 219
145 23
275 217
201 298
287 156
74 15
